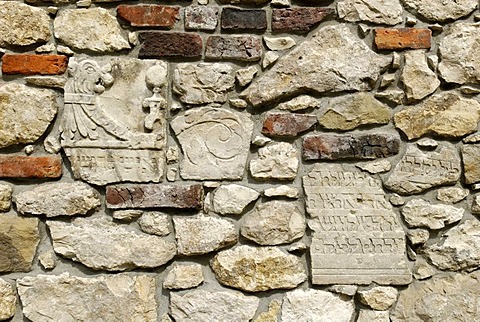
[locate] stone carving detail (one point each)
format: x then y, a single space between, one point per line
106 135
357 238
215 143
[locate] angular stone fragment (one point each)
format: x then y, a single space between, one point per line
334 60
244 48
276 161
48 260
255 269
22 25
446 115
418 79
476 205
19 238
421 213
379 298
444 10
279 43
471 166
418 171
93 29
396 97
441 298
274 223
418 236
203 234
46 81
29 64
154 196
149 15
232 199
422 269
38 108
350 111
201 18
352 146
373 316
282 191
348 290
402 38
245 76
183 276
386 12
452 195
287 124
203 83
269 59
299 103
5 197
157 44
215 143
458 249
58 199
111 297
155 223
201 305
316 305
272 314
127 215
243 20
298 19
8 300
375 167
100 244
13 166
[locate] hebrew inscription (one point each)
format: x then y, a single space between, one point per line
108 134
357 238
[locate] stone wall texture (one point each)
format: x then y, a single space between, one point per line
240 160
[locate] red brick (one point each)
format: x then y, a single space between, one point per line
155 196
29 64
149 15
298 19
30 167
157 44
245 48
243 20
287 124
403 38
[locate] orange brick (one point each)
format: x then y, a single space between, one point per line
29 64
149 15
403 38
12 166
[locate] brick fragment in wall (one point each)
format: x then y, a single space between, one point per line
30 64
155 196
44 167
287 124
298 19
402 38
244 48
238 20
157 44
149 15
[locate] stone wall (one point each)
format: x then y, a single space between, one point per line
240 160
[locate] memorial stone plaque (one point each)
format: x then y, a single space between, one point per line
357 238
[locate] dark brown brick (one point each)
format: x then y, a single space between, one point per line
30 64
157 44
338 147
155 196
149 15
246 48
298 19
287 124
243 20
402 38
30 167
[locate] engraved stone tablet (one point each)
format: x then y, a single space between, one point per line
357 238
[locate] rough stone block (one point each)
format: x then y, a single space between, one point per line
298 19
201 18
287 124
30 64
402 38
245 48
12 166
170 44
149 15
242 20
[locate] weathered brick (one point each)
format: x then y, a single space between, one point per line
157 44
338 147
30 167
246 48
298 19
30 64
149 15
155 195
238 19
403 38
201 18
287 124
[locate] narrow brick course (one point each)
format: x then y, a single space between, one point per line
298 19
245 48
156 44
30 167
402 38
235 19
149 15
30 64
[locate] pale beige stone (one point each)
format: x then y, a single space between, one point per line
211 306
261 140
48 260
276 161
444 10
471 166
269 59
476 205
418 236
427 143
155 223
112 297
238 103
397 200
422 270
52 144
182 276
203 234
452 194
373 316
22 25
421 213
299 103
282 191
418 79
46 81
172 155
5 197
45 49
272 314
374 167
387 12
58 199
274 223
394 96
316 305
8 300
245 76
100 244
279 43
25 112
250 268
387 80
349 290
127 215
351 111
232 199
379 298
93 29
